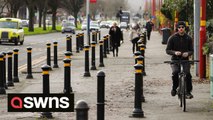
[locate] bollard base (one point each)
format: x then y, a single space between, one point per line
2 90
15 79
138 113
55 66
29 76
46 115
101 65
93 68
87 74
10 83
104 56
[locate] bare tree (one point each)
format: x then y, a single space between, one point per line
72 7
14 6
31 6
54 4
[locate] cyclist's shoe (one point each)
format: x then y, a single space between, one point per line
189 95
173 92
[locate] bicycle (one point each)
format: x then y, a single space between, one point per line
182 83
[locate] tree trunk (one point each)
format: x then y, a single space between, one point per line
44 19
54 19
40 17
76 16
31 19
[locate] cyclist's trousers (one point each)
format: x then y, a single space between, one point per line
176 70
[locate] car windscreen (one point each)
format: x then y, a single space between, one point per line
4 24
68 24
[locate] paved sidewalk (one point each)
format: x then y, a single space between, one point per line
119 88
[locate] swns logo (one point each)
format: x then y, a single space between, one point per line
40 103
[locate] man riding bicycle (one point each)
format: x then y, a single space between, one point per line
180 47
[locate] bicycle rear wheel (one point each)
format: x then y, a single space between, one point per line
183 90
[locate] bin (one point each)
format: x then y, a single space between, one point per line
211 76
166 35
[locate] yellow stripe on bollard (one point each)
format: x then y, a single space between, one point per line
86 49
101 43
67 64
55 44
9 56
93 45
138 71
1 59
15 52
29 51
48 46
45 72
69 57
142 48
140 62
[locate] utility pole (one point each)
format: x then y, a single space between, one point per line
88 22
202 63
196 32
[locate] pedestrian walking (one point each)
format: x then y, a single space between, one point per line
180 47
115 38
149 26
134 36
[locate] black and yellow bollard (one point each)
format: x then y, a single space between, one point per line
49 54
46 88
15 69
101 64
138 112
67 54
82 109
81 45
77 42
55 44
4 70
29 63
71 44
67 76
86 49
142 50
105 47
93 36
99 34
140 61
93 66
136 54
2 87
9 70
101 95
68 43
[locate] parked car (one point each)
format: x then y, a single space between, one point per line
123 25
25 23
11 31
94 26
104 24
68 27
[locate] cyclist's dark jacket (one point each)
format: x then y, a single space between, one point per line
179 43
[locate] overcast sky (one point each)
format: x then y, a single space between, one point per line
135 4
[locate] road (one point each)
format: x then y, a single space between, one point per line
38 44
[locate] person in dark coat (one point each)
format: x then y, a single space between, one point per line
115 38
149 26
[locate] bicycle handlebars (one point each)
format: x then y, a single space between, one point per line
181 61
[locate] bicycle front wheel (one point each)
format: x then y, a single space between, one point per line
183 90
